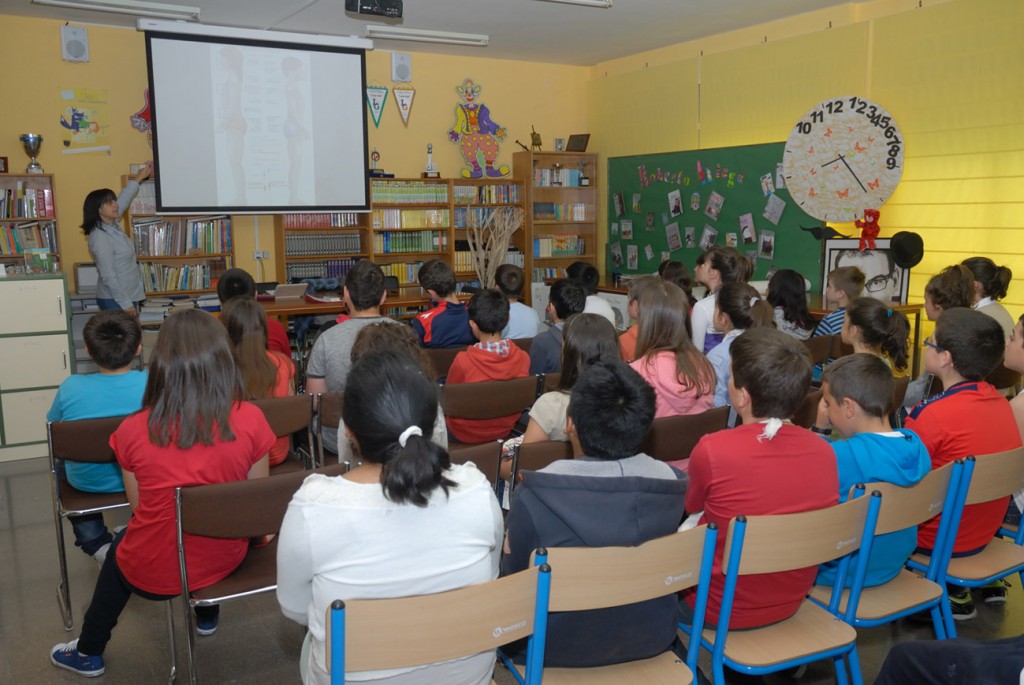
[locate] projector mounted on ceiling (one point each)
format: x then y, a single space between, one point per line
382 8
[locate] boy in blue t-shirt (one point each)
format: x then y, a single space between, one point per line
112 338
856 395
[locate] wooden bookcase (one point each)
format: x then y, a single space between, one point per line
178 255
561 213
472 199
28 221
319 245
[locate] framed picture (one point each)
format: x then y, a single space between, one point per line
3 165
883 280
578 142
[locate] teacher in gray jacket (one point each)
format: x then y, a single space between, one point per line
119 285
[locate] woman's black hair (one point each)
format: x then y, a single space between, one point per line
744 307
387 393
787 289
586 339
881 325
994 279
91 208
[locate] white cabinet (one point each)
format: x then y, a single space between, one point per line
35 357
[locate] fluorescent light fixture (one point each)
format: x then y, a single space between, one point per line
137 8
424 36
605 4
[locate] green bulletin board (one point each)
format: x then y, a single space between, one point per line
651 210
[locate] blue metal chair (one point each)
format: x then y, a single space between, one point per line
586 578
785 542
362 635
909 592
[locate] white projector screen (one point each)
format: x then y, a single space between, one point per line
254 127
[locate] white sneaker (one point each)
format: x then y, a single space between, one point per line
100 555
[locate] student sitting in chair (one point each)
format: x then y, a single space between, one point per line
446 324
523 321
491 359
239 283
565 298
613 496
856 392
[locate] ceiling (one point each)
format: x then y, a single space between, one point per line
531 30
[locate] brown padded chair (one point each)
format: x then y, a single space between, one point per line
488 399
839 348
899 391
523 343
486 456
534 456
1005 380
86 441
239 509
441 359
820 347
549 382
807 412
328 413
287 415
673 437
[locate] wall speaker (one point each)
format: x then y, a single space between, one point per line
401 67
74 43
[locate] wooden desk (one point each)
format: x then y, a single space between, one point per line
296 306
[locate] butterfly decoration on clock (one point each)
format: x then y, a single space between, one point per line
843 156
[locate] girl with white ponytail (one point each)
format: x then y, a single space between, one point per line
405 522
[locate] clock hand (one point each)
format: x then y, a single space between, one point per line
832 161
843 160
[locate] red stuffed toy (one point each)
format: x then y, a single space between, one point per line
869 228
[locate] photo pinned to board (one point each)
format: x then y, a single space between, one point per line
766 246
747 228
731 240
620 204
672 235
695 202
708 237
773 209
690 234
752 256
627 229
767 186
636 203
632 258
648 252
714 206
617 253
675 203
650 221
615 228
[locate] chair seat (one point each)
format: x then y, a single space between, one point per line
257 573
903 592
666 668
998 558
811 630
291 464
74 501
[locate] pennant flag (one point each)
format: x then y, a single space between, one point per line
403 98
376 96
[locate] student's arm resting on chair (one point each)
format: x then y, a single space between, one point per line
131 488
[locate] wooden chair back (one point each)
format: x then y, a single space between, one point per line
673 437
819 347
488 399
904 507
287 415
441 359
534 456
523 343
550 381
486 456
328 412
996 476
413 631
784 542
598 577
899 392
839 348
1005 380
807 412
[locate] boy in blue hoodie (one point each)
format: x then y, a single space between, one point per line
856 399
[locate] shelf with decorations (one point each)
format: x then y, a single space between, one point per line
178 255
29 239
319 244
561 210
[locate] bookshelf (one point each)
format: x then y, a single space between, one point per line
318 245
28 223
472 201
561 212
179 255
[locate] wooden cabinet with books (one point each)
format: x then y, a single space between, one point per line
473 201
561 210
178 255
319 244
28 222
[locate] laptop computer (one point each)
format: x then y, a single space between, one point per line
290 291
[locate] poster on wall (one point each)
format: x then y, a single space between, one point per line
84 118
883 279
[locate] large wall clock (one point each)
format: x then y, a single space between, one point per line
845 155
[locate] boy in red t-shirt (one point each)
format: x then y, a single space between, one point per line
765 466
491 359
969 417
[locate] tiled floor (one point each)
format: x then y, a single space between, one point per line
255 643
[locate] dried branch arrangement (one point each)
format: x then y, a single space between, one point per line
489 240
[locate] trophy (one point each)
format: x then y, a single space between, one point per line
32 142
431 169
584 179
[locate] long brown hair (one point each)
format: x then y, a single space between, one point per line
663 327
193 382
246 324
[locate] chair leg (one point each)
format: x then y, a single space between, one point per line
839 663
190 639
854 663
170 639
63 588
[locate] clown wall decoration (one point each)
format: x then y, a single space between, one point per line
476 134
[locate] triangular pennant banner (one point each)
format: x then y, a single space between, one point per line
403 98
376 96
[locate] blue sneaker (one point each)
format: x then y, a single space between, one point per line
67 656
207 625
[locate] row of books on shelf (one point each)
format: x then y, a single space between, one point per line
303 244
387 242
566 176
467 217
543 273
504 193
17 238
410 218
567 211
406 273
156 309
161 237
409 192
561 245
321 220
29 203
164 278
328 268
464 260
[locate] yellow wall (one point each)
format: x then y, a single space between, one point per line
950 72
519 95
